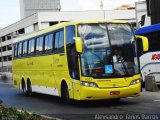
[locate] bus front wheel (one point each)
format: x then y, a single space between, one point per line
65 94
29 88
23 85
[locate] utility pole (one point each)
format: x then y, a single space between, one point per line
101 4
102 8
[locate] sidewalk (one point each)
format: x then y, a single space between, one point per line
8 75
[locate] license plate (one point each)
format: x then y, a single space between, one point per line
115 93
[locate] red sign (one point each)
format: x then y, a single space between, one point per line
115 93
156 57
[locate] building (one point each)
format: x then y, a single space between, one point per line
125 7
153 9
147 13
42 20
29 7
142 17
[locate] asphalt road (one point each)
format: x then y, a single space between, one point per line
147 103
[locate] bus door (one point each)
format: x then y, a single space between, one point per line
73 66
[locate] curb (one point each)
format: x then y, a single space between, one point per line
54 118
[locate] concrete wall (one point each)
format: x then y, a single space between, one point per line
19 25
120 14
29 7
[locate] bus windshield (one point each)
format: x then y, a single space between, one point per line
109 50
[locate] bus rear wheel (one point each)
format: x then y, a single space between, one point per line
23 85
29 88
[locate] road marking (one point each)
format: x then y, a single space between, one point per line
156 100
130 97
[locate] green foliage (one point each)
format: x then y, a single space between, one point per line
35 116
12 113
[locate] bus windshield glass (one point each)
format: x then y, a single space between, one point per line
109 50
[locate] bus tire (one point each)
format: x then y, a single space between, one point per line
29 88
142 85
65 93
23 86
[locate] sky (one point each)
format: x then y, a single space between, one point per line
10 10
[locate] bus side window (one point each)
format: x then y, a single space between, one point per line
48 43
19 50
56 34
24 52
39 45
31 47
59 41
71 53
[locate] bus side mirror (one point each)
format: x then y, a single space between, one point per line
79 44
144 41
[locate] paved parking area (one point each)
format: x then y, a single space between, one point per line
147 103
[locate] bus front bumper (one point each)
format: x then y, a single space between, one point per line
89 93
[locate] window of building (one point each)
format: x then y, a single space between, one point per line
39 45
52 23
4 58
59 40
9 47
21 31
4 48
31 47
8 36
15 50
9 58
3 39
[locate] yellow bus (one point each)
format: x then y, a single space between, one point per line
87 60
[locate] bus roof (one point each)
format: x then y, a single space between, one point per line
148 29
60 25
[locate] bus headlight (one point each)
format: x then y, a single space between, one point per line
135 82
89 84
